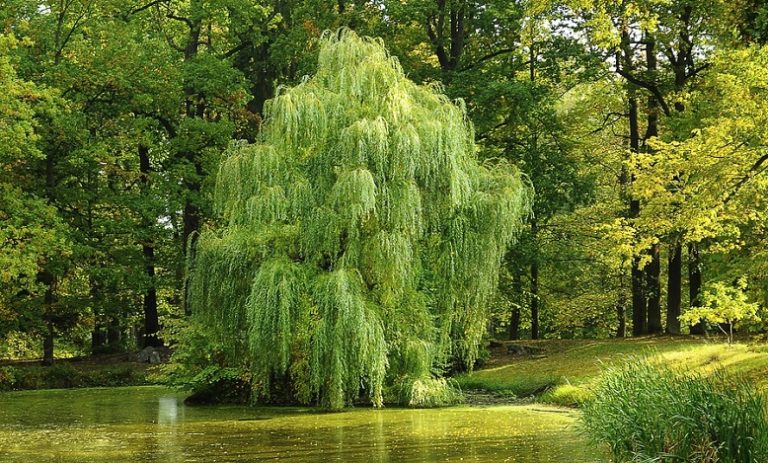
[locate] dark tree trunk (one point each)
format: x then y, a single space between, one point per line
97 337
674 288
114 333
514 318
639 307
514 324
694 283
46 278
621 316
151 321
652 271
48 339
534 284
621 309
535 300
449 47
194 109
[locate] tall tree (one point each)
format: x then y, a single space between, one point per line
367 235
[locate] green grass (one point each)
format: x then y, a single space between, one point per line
562 375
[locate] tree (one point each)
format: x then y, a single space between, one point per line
359 242
32 234
724 305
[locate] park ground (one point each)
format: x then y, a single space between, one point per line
561 371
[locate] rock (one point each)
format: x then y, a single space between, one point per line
145 354
519 349
153 355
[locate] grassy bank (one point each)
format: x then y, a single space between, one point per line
560 371
92 372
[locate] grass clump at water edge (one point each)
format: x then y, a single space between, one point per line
647 412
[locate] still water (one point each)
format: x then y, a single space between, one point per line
151 424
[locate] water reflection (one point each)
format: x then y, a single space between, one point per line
153 425
167 410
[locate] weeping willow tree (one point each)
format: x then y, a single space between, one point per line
359 240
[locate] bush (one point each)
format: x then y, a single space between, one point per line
649 413
8 378
567 395
219 385
425 392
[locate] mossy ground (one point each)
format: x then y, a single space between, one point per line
563 371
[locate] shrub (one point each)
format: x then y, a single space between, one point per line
62 375
8 378
219 385
649 413
425 392
567 395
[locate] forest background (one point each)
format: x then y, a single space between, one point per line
641 125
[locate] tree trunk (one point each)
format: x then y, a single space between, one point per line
621 308
47 279
48 339
652 271
534 284
97 337
514 319
151 321
114 333
674 288
535 300
694 283
194 109
621 330
639 308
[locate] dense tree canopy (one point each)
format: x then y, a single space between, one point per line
166 157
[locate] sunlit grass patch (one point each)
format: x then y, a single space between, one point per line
577 363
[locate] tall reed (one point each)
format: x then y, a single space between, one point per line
648 412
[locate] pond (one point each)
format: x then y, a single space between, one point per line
151 424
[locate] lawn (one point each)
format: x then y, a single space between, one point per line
560 371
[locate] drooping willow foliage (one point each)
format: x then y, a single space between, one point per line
359 240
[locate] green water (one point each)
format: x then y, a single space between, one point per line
151 424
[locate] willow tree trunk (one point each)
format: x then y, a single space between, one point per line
674 288
694 283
